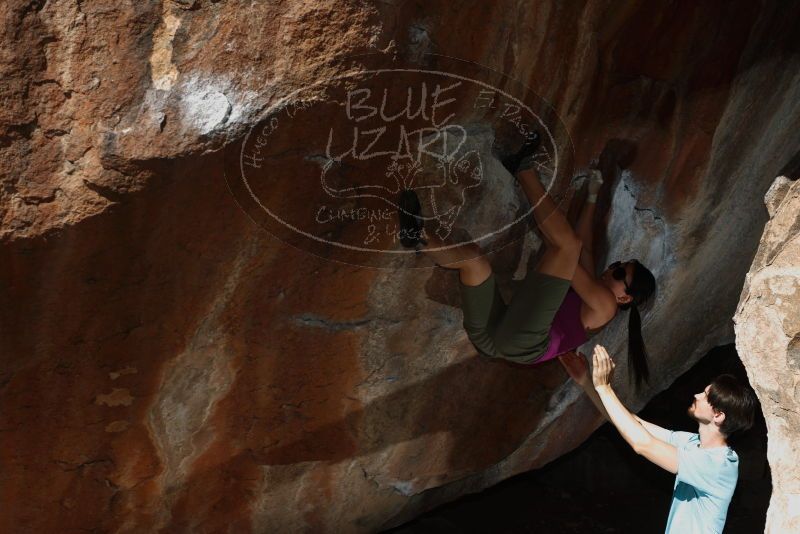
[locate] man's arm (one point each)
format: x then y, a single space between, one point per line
595 398
655 430
659 452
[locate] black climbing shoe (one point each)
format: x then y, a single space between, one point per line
512 162
410 221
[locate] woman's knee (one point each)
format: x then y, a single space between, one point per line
475 271
569 249
559 262
571 244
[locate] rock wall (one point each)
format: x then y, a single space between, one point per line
768 340
168 365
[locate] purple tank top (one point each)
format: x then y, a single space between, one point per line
567 331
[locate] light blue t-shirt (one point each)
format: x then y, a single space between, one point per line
703 487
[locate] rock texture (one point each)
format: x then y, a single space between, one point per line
169 366
768 340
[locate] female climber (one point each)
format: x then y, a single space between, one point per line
560 302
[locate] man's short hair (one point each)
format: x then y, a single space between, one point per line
736 400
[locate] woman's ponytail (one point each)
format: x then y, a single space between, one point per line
638 369
641 289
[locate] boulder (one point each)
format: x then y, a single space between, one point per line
167 364
768 341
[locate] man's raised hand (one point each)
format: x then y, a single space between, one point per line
602 367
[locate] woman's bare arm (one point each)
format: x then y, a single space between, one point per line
598 297
584 228
585 233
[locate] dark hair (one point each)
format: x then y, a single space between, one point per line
641 288
736 400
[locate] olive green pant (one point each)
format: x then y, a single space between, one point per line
520 330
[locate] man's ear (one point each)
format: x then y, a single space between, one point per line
719 418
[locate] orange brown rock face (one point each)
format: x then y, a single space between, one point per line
167 365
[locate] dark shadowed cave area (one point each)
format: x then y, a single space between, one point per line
604 487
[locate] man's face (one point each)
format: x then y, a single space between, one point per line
701 410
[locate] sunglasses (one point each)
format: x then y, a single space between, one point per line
619 273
